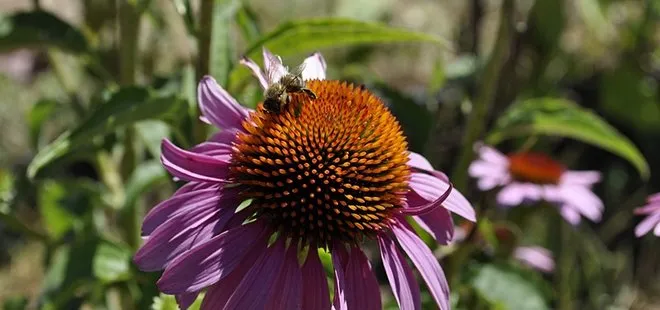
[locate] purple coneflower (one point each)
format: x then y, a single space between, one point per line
323 174
652 221
529 177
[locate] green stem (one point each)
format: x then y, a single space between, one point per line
129 26
485 95
204 34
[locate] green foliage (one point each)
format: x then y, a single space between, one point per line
507 287
124 107
559 117
111 262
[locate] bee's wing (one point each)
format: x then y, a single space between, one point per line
297 71
275 70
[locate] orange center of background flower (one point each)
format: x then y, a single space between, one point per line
330 169
535 168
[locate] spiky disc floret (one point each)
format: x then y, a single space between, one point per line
324 170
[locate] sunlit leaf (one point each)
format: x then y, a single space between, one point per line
111 262
37 29
125 107
307 35
559 117
508 287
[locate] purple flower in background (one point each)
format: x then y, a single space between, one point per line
531 177
652 220
535 257
325 173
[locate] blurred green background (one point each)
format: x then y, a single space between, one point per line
89 88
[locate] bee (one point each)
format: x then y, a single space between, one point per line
281 84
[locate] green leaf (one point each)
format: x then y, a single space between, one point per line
222 55
164 302
39 113
306 35
152 134
248 24
168 302
125 107
38 29
111 262
508 287
52 207
563 118
145 176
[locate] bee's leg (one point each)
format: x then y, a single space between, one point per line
308 92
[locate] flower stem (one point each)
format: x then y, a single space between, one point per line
204 35
485 95
129 32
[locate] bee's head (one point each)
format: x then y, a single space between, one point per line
272 104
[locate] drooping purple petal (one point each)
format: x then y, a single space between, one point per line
650 208
647 224
426 263
218 106
432 188
315 286
273 67
218 294
536 257
210 262
403 283
183 201
358 285
419 162
179 233
287 293
570 215
582 200
339 262
314 67
655 198
438 223
191 166
256 71
186 299
252 292
216 150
